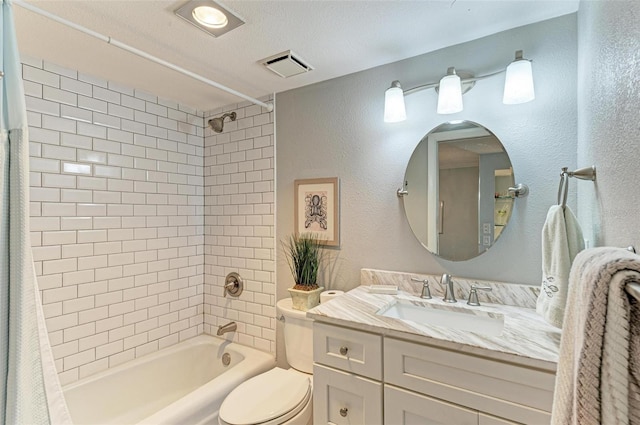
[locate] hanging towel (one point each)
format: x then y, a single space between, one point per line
561 241
598 375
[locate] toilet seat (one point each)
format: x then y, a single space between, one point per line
274 397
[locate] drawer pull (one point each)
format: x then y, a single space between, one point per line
343 412
344 350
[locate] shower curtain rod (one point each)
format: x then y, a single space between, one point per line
137 52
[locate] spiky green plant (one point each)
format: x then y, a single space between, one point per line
303 255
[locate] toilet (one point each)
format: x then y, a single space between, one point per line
278 396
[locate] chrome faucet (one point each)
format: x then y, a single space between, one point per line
473 294
426 292
447 282
229 327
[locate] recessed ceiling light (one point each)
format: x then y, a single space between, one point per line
209 16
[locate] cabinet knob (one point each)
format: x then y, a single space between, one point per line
344 350
343 412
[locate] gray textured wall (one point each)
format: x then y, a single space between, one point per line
335 128
609 120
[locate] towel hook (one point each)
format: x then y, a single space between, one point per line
586 173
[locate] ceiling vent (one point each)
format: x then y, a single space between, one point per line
286 64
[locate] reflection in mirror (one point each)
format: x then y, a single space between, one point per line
457 182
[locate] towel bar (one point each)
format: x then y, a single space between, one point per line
633 289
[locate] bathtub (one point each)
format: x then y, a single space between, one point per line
182 384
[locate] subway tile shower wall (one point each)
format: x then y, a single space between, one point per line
239 224
117 220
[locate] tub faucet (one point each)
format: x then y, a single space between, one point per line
447 282
229 327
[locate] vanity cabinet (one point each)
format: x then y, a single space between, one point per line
365 378
347 376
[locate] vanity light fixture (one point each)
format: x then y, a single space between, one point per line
450 93
518 88
209 16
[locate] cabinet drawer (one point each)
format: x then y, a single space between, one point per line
402 407
505 390
348 349
343 398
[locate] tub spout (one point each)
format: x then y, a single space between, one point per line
229 327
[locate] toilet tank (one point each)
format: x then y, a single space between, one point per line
298 336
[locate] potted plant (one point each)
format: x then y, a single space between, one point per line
304 256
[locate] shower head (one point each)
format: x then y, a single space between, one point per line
217 124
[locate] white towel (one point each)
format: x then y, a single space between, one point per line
598 377
561 241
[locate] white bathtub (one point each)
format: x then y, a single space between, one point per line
183 384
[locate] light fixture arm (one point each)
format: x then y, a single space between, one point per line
462 80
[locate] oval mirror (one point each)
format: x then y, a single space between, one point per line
457 201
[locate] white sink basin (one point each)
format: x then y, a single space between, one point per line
471 320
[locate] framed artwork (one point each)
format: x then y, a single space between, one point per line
316 209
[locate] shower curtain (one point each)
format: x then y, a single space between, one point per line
30 392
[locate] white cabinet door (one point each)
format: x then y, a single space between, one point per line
343 398
402 407
492 420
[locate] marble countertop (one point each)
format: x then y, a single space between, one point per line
526 338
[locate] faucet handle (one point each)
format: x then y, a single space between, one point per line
426 292
473 294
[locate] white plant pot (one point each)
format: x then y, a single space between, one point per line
305 300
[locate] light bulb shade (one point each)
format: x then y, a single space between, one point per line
394 110
518 83
450 95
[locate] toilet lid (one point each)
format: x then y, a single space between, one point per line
265 397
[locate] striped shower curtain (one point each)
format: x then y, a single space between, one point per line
29 388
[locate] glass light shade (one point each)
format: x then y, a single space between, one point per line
394 110
450 95
518 83
210 17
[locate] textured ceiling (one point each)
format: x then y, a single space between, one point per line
335 37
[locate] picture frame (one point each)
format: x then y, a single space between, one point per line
316 209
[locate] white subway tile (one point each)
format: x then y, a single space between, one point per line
109 349
120 111
106 120
44 165
92 130
76 86
94 183
92 104
54 209
58 124
77 304
75 195
77 250
122 357
76 223
92 262
42 106
91 156
79 359
59 294
92 368
77 114
107 95
39 76
59 96
78 278
75 168
93 315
